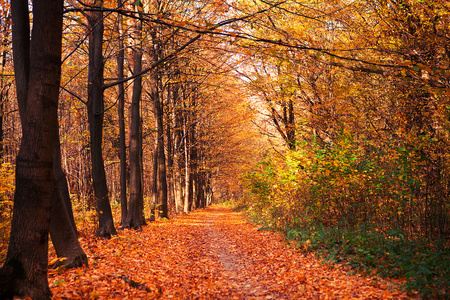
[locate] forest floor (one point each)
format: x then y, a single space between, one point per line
212 253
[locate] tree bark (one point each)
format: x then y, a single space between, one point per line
121 112
177 153
170 175
289 121
161 162
63 230
187 169
160 157
194 165
95 117
135 218
37 65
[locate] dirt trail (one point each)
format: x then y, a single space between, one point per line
209 254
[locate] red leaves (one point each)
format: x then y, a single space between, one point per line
212 253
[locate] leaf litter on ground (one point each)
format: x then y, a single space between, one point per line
213 253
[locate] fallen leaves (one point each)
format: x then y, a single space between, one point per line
209 254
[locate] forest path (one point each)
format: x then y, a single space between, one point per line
211 253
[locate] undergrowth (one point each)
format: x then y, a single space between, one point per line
424 264
371 204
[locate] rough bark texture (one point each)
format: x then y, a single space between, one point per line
37 69
95 118
63 230
135 217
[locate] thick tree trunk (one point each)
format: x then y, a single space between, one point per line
135 218
63 230
121 112
95 118
37 70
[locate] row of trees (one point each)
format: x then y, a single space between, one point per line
145 110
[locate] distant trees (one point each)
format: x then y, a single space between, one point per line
197 132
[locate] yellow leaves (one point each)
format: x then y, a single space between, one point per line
60 259
306 245
7 186
98 3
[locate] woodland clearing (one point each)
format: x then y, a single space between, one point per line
212 253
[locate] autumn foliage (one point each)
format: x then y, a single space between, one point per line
209 254
356 97
327 121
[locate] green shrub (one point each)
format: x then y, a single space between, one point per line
379 205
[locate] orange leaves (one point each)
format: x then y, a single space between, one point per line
209 254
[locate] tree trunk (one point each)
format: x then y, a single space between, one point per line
177 187
161 162
177 158
155 179
193 159
135 218
160 157
170 197
187 171
290 125
121 112
37 66
95 117
63 230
